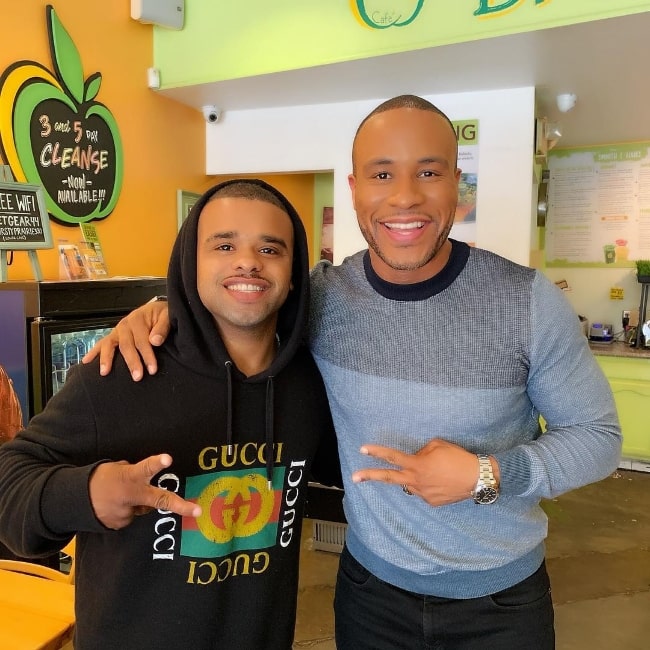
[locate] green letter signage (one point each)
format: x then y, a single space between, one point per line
487 7
378 15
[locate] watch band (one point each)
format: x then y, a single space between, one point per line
485 471
486 490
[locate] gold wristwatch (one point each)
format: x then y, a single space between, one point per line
486 490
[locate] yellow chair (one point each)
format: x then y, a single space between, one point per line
31 568
36 605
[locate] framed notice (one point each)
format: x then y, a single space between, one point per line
184 203
24 222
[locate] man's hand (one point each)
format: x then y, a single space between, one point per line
120 491
135 335
440 473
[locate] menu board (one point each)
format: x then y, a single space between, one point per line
24 222
599 206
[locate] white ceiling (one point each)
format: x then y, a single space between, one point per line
603 62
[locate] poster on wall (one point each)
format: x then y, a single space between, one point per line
598 206
464 228
54 133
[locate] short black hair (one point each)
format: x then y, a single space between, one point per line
250 191
403 101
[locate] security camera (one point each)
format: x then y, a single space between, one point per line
211 114
566 101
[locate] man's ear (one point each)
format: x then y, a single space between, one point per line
352 183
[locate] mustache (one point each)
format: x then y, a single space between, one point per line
248 276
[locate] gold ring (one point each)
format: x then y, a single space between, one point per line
405 489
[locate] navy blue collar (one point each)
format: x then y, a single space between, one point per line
426 288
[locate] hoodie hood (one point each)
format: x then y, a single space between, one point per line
194 339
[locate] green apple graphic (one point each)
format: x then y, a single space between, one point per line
53 132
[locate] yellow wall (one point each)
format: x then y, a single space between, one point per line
163 141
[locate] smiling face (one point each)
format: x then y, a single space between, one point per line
244 258
404 190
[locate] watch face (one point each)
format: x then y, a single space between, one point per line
486 495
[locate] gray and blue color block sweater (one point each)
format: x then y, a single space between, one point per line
473 356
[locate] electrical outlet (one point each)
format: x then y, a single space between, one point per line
625 320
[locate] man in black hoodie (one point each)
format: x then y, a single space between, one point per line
239 409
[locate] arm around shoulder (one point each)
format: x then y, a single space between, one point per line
135 335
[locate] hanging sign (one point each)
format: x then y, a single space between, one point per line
55 134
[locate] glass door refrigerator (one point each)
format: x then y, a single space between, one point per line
47 327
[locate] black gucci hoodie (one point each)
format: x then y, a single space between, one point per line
242 447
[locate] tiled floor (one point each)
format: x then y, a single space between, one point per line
598 556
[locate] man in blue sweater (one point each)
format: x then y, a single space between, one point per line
439 360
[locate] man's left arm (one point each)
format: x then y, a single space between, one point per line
582 441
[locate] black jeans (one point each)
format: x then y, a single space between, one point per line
373 615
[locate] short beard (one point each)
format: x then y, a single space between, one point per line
413 266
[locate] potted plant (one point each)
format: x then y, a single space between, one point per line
643 271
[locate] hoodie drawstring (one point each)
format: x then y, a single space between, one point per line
268 422
229 408
269 431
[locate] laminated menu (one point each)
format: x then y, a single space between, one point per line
91 251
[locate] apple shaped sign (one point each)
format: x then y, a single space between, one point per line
55 134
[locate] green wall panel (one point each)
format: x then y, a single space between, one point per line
230 40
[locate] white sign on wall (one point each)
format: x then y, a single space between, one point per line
599 206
